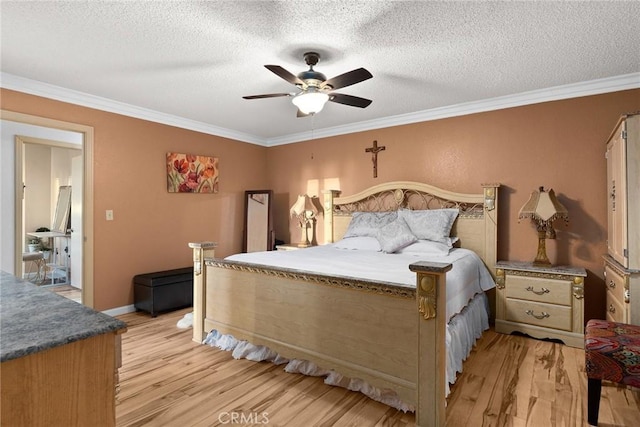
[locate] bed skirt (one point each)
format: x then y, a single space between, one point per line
462 332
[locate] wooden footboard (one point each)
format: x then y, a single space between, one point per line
390 336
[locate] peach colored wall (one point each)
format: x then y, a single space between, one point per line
151 227
558 144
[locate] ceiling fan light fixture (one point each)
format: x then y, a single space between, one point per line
310 102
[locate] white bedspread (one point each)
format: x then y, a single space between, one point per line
467 278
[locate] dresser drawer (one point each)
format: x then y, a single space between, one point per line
615 310
614 284
540 314
552 291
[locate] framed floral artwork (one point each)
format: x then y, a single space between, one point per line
188 173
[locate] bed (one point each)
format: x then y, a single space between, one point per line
390 335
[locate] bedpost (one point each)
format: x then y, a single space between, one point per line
491 228
200 252
329 195
431 301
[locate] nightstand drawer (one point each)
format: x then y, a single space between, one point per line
614 284
539 289
540 314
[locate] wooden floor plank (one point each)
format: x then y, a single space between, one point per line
509 380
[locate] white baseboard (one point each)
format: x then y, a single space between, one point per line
120 310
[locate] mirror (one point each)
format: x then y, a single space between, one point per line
62 218
258 228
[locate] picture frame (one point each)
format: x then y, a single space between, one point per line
190 173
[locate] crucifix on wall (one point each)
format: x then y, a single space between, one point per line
374 156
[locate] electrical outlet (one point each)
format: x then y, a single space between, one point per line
109 215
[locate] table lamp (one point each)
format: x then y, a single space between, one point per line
543 208
304 210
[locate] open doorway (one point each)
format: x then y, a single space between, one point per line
49 174
12 243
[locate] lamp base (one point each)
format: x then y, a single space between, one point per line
304 241
541 256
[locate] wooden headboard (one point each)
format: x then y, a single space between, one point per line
476 225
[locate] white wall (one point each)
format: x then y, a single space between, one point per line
37 190
8 131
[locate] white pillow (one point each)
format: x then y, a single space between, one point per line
433 224
427 247
394 236
368 223
362 243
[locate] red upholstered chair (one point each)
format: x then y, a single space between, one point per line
612 353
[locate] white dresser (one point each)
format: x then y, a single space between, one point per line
622 262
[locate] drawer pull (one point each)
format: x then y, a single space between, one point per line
540 292
612 309
612 284
538 316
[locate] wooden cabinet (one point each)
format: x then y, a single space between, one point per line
71 385
621 285
623 186
59 359
543 302
622 262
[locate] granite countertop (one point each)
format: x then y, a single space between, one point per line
33 319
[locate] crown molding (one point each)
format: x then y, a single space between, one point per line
556 93
46 90
575 90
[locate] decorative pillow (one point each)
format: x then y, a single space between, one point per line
427 247
394 236
368 223
433 224
363 243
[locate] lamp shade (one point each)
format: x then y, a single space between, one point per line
311 101
302 205
543 206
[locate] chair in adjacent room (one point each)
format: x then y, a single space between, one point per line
612 353
35 267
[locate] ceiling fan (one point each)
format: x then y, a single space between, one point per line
315 89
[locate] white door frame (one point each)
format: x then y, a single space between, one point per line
20 141
87 196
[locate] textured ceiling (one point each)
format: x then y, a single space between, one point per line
195 60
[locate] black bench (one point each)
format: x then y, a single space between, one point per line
163 290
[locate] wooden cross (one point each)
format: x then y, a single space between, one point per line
374 156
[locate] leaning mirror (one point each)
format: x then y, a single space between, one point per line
258 226
62 216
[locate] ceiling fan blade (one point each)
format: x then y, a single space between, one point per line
353 101
281 72
347 79
267 95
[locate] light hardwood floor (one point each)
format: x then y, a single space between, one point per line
66 291
168 380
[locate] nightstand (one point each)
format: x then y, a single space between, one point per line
541 301
288 247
